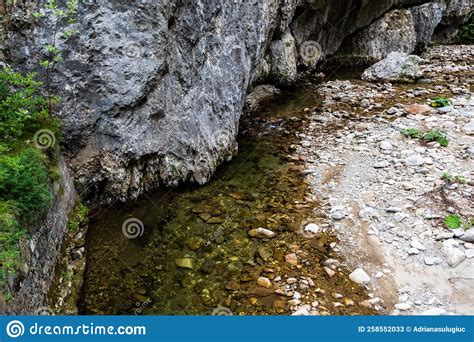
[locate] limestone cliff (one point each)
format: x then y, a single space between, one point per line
152 91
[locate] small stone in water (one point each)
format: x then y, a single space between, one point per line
292 259
184 263
261 233
265 282
330 272
294 302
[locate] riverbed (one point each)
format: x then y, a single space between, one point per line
194 255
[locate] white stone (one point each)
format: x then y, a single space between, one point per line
382 164
338 214
468 236
407 186
470 253
432 261
261 233
301 312
415 243
414 160
469 128
403 306
454 255
359 276
386 145
368 213
312 228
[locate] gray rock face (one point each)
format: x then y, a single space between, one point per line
152 91
397 67
393 32
425 20
284 59
456 13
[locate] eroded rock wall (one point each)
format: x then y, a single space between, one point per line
152 91
40 253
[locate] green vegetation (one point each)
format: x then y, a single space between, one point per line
453 221
439 102
435 135
56 17
411 133
22 108
78 217
27 139
25 191
466 32
453 179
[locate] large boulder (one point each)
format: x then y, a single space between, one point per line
394 31
397 67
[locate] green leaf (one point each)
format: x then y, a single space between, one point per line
453 221
443 142
411 133
440 101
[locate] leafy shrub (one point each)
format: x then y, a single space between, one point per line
22 107
453 179
435 135
25 191
24 179
78 217
411 133
439 102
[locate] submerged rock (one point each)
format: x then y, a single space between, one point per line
292 259
264 282
261 233
184 263
397 67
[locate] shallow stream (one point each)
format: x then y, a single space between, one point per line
196 255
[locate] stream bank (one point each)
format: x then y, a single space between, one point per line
386 196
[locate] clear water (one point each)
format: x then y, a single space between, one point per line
206 228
